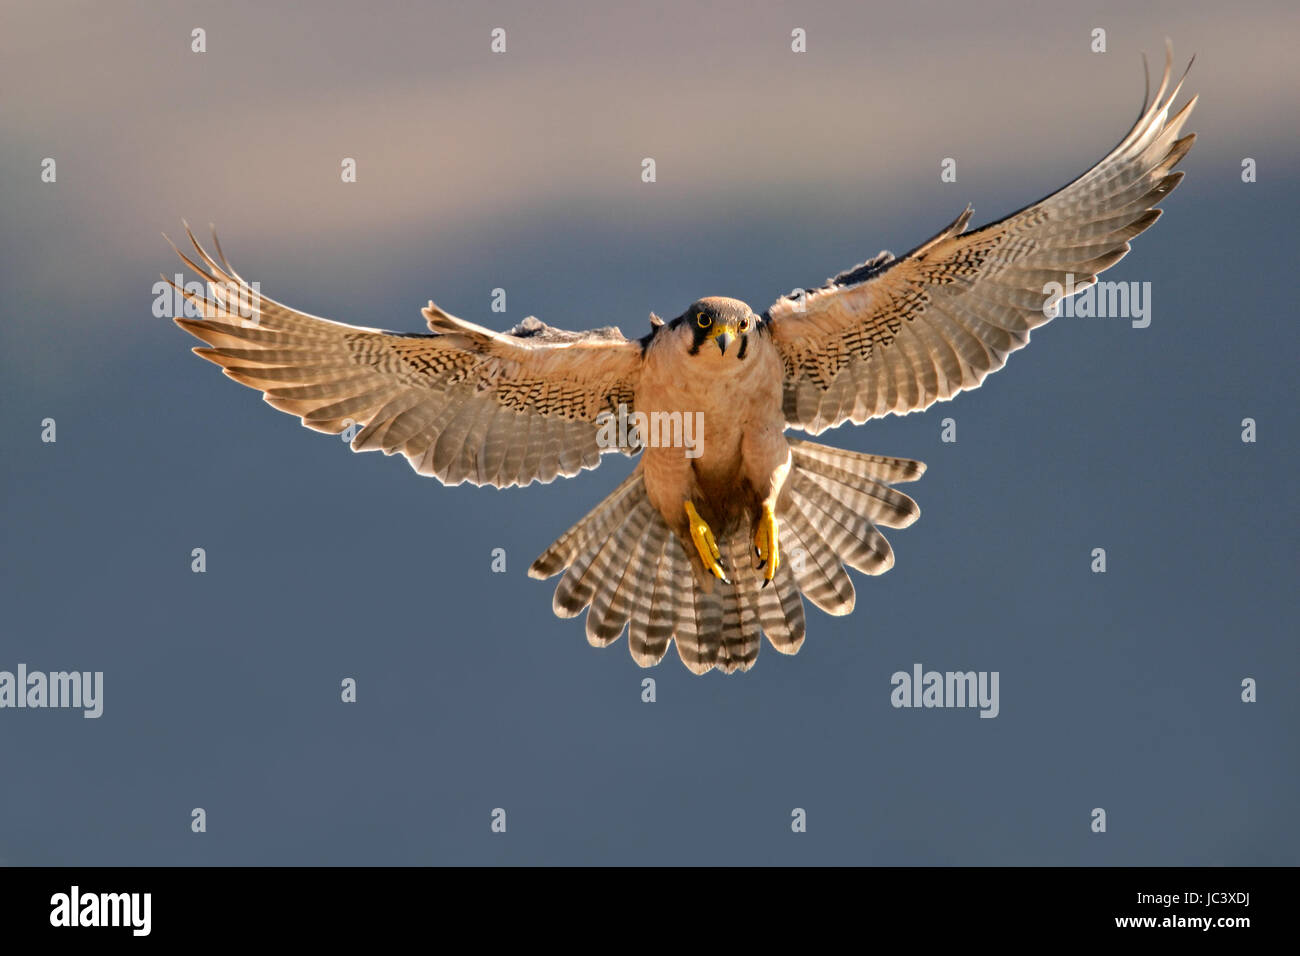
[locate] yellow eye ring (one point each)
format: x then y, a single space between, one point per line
702 320
744 325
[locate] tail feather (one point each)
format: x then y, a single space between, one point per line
809 454
852 537
817 569
636 589
741 632
781 611
594 527
698 625
609 607
590 572
871 498
651 627
625 565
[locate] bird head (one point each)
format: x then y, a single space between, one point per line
720 321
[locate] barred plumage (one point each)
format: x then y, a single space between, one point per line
710 546
904 333
622 564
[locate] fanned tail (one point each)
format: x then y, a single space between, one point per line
631 572
834 500
626 566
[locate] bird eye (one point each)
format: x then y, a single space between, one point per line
744 325
702 320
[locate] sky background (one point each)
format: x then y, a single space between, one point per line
522 171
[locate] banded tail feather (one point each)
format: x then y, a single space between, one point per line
626 567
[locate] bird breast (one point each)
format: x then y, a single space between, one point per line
722 396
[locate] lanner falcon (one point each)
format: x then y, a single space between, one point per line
685 549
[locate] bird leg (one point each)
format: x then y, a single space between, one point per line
707 547
765 535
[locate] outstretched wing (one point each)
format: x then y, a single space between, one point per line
897 335
462 403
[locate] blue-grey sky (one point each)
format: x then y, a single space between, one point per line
522 171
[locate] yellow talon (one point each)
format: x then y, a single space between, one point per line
702 535
765 544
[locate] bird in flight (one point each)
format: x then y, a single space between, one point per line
725 523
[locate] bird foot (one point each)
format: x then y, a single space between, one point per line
765 546
705 544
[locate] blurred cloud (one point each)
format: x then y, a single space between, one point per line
445 132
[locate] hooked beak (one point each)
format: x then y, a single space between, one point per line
724 339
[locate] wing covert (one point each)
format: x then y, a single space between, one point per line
461 402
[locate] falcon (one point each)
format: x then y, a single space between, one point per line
711 545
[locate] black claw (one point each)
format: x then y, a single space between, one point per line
761 563
766 582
